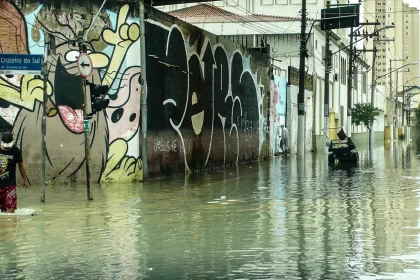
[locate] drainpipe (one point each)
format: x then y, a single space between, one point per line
143 83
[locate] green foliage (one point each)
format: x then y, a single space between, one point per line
364 114
417 111
402 136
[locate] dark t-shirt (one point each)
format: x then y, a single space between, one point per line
8 161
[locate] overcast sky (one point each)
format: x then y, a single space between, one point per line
413 3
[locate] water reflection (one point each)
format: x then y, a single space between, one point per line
285 218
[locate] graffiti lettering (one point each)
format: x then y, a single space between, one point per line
162 145
248 127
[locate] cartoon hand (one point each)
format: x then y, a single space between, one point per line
120 167
31 90
124 34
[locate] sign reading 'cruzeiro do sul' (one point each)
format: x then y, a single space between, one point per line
20 64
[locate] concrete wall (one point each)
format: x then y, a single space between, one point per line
207 99
206 96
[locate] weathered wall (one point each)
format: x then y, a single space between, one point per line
278 94
205 95
206 98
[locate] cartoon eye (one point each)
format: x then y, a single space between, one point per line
72 56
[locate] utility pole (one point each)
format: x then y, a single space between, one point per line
143 83
327 78
393 111
301 94
372 94
395 116
350 84
86 131
44 114
403 109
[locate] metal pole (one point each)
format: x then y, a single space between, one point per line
327 78
301 94
372 96
44 115
143 83
403 108
391 111
86 131
94 19
350 84
394 119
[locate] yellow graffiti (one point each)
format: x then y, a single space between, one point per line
122 38
120 167
31 90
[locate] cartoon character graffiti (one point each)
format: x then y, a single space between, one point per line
64 108
3 164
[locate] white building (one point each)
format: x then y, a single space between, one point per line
282 34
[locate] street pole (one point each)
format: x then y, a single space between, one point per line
301 94
143 84
391 111
372 96
44 115
350 84
403 108
395 115
86 131
327 79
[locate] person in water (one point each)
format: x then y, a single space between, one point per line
10 156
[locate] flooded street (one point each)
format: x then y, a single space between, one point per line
285 219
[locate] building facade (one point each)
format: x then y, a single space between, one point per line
281 34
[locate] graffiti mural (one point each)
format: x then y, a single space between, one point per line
278 88
209 97
205 97
65 141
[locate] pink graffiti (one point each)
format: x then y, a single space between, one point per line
275 92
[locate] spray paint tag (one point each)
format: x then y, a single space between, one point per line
86 125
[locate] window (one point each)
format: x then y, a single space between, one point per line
406 57
406 27
407 33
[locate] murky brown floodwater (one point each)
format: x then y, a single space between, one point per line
284 220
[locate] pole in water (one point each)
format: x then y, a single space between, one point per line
86 131
301 94
44 115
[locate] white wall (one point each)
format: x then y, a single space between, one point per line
292 119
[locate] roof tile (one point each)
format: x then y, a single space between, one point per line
210 13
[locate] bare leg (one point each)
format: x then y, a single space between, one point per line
11 210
